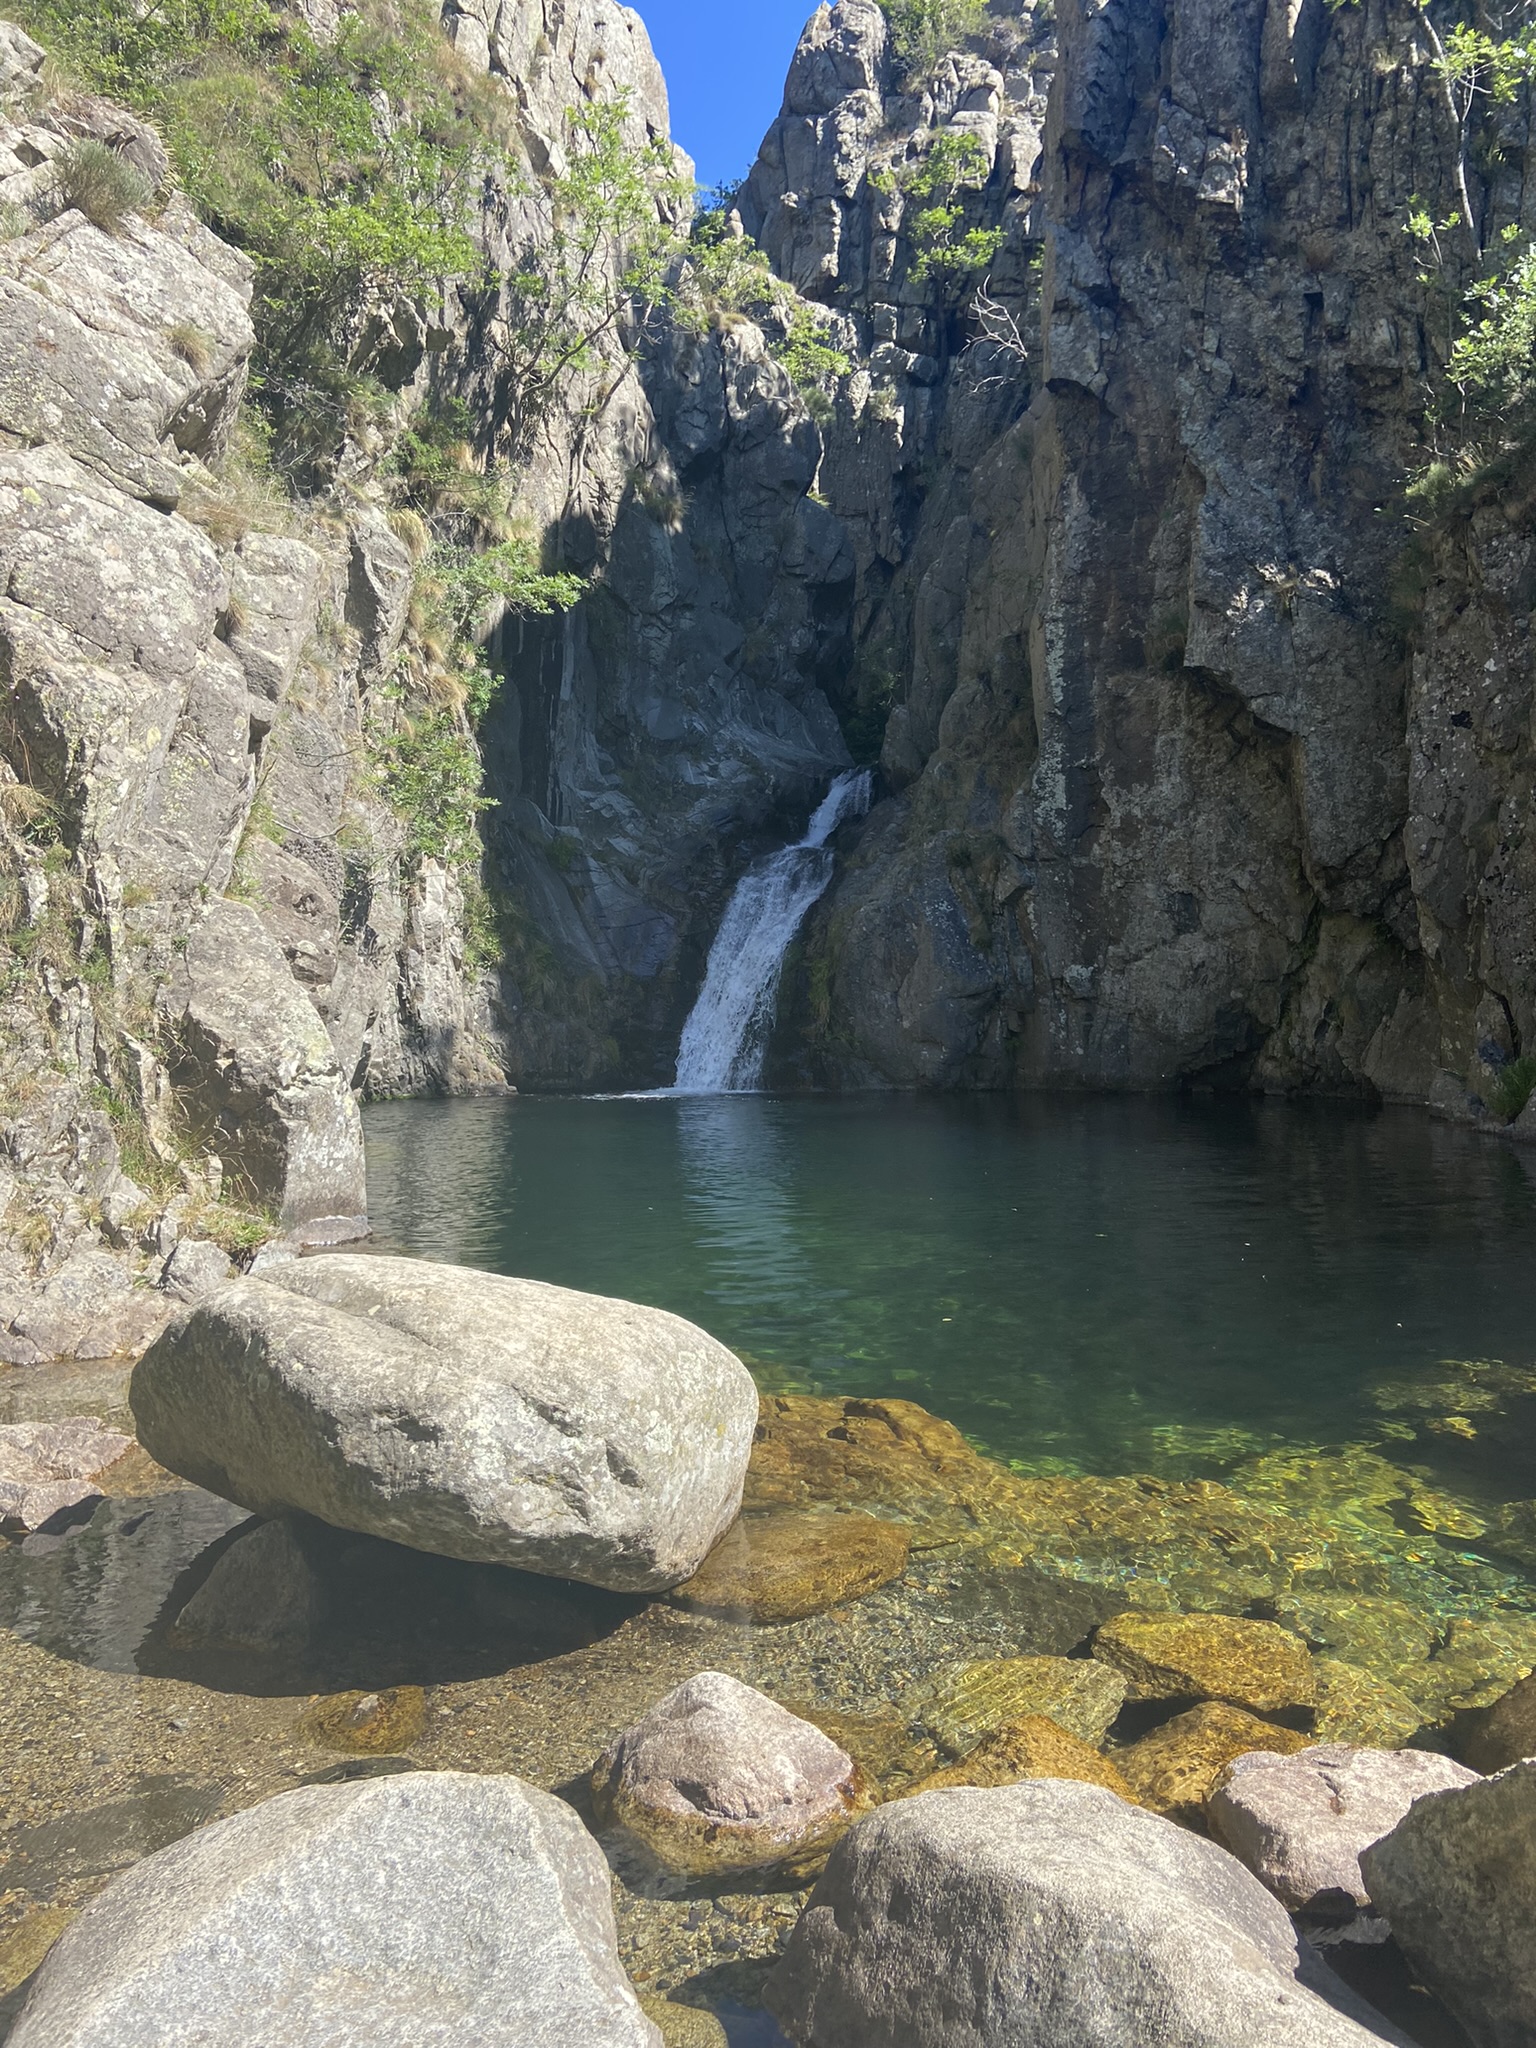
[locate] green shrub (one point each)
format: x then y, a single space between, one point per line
923 32
946 251
1514 1088
100 184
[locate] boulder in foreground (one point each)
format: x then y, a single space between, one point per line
717 1777
421 1911
1300 1823
1045 1915
1457 1880
497 1420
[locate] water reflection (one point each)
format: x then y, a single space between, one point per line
738 1177
161 1586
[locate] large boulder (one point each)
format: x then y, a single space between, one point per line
1457 1880
1044 1915
415 1911
459 1412
1301 1822
719 1778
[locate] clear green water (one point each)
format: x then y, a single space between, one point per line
1114 1284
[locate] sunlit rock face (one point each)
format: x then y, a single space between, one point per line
1190 771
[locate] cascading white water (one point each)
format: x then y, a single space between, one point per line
725 1039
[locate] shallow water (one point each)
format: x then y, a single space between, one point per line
1098 1285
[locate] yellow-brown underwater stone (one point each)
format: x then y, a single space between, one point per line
960 1705
1357 1707
1035 1747
879 1453
1173 1769
1251 1664
781 1566
886 1751
367 1723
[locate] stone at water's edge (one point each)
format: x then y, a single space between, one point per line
718 1777
1036 1747
1300 1823
1252 1664
1457 1880
47 1468
783 1566
1174 1769
497 1420
1045 1915
422 1911
1493 1738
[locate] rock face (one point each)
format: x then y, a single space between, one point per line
1051 1914
458 1412
1301 1823
781 1567
1457 1880
406 1911
1250 1664
719 1778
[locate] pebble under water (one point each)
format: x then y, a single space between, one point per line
1244 1359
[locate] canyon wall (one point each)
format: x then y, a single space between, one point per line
1204 765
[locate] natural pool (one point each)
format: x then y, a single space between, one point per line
1083 1285
1205 1345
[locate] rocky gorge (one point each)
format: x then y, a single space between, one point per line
1057 429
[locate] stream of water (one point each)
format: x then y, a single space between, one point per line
725 1039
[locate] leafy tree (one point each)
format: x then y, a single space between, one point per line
946 251
615 232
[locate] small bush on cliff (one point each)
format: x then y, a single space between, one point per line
947 251
98 183
1514 1088
923 32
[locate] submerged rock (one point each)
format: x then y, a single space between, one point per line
1251 1664
718 1777
367 1723
458 1412
1050 1914
1457 1880
48 1468
402 1911
1300 1823
1357 1707
962 1704
262 1594
1036 1747
1175 1768
783 1566
1493 1738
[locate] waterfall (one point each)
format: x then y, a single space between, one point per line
726 1037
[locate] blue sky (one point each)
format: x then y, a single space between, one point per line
725 71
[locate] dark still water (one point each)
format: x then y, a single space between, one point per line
1095 1284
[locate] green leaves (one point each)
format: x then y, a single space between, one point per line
1493 363
923 32
946 251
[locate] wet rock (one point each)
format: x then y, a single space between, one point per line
352 1912
717 1777
1050 1913
1174 1769
683 2026
886 1453
1035 1747
783 1566
47 1468
960 1705
1357 1707
1251 1664
194 1268
459 1412
1492 1738
1457 1880
1300 1823
367 1723
1512 1532
885 1751
262 1594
